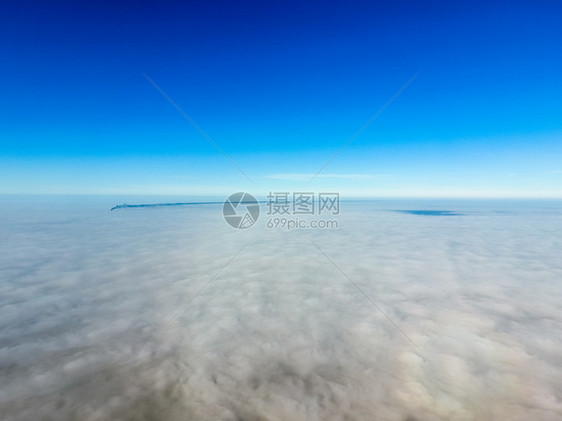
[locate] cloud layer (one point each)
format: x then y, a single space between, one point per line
280 332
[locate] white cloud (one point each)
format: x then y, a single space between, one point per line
306 177
280 333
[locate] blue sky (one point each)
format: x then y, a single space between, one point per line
281 88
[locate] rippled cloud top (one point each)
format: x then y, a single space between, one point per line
408 311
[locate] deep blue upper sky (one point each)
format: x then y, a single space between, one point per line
281 88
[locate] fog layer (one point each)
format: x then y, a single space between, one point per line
98 319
